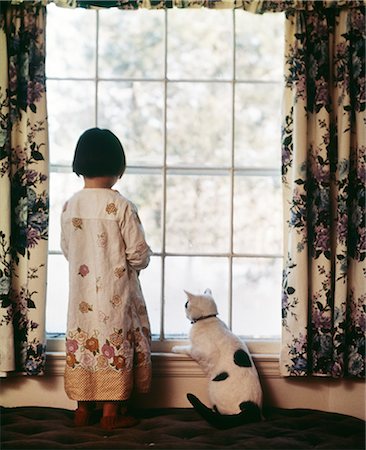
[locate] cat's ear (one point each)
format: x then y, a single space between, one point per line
189 295
208 292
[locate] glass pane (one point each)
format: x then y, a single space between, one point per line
200 44
257 215
57 294
258 125
145 190
257 297
70 107
134 111
197 213
194 275
131 43
58 288
259 46
62 187
71 41
199 123
151 287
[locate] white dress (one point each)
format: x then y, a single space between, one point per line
108 331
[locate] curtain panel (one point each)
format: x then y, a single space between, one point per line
323 156
23 188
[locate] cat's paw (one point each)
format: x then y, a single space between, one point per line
181 349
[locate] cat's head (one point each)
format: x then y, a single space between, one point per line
199 306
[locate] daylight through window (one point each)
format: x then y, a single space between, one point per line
194 95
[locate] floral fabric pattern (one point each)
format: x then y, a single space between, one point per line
23 188
254 6
323 170
108 331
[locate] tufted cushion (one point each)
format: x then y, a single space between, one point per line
52 428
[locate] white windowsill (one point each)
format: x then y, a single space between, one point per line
265 354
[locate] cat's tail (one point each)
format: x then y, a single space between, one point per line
250 412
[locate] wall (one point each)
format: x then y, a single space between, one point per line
175 375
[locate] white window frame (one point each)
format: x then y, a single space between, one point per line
161 344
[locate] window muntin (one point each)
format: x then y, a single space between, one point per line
198 114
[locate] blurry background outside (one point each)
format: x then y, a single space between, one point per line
194 96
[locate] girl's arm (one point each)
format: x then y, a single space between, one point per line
137 250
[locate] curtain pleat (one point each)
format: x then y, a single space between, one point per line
23 189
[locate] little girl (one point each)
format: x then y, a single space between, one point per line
108 332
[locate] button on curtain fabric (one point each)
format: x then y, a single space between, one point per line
23 188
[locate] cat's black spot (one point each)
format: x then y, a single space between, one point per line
221 376
241 358
251 410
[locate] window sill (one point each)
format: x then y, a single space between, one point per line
167 364
256 346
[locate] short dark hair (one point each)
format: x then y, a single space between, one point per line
99 153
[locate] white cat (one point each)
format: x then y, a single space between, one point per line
234 387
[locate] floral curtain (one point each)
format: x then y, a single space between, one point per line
254 6
23 188
323 155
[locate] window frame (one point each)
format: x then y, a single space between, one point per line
161 343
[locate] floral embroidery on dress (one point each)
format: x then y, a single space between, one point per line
108 350
92 344
119 271
119 361
71 360
84 307
111 208
103 317
102 239
80 336
102 362
83 270
116 338
77 222
116 301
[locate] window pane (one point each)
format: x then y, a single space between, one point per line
257 297
197 213
131 43
194 275
199 44
199 123
70 107
71 37
257 215
259 46
58 288
258 125
57 294
145 190
62 187
151 288
134 111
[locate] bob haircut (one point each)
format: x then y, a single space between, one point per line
99 153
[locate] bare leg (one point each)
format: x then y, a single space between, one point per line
82 414
114 418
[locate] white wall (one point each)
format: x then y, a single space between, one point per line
175 375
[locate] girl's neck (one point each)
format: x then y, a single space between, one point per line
99 182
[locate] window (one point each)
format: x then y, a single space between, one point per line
194 96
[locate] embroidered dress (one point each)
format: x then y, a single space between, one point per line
108 331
